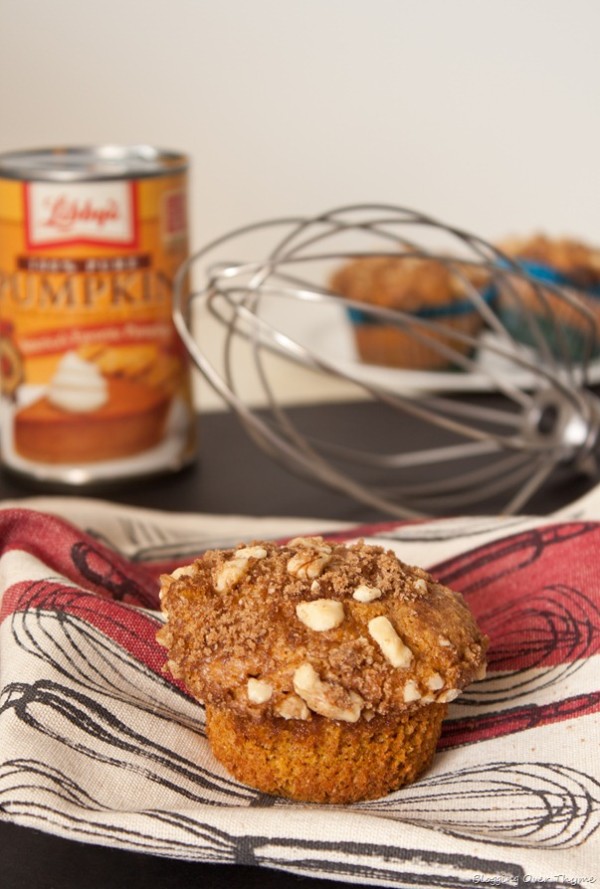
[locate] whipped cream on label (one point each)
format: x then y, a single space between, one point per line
78 385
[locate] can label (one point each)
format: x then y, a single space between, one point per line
95 381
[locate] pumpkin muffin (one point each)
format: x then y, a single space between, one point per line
566 263
425 288
325 669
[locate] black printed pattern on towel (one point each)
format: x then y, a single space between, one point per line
123 758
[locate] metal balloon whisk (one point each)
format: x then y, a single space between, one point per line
545 416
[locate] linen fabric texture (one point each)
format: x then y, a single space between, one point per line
98 744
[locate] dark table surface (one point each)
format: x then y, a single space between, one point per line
231 475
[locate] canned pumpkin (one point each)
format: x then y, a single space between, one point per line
95 381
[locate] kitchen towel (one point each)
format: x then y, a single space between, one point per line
97 744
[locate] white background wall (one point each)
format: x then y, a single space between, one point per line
483 112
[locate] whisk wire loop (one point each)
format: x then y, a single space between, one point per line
547 416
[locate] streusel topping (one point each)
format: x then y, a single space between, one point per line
317 627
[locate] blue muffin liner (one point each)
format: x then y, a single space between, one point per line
577 340
438 312
546 274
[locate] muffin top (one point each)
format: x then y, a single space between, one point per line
316 627
578 261
406 283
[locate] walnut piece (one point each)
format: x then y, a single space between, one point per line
390 643
233 570
320 614
365 593
450 695
308 563
293 707
435 682
164 636
308 543
173 668
411 691
259 691
318 696
184 571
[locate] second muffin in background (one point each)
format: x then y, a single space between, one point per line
571 265
424 288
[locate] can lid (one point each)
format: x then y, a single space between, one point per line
85 163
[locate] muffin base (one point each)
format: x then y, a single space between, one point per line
386 345
551 314
323 761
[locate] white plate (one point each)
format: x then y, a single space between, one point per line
334 342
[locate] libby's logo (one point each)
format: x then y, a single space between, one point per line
81 213
64 214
